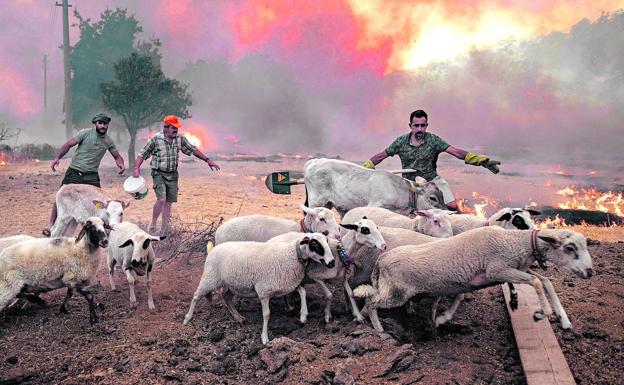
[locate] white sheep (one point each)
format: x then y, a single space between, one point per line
511 218
473 260
131 248
365 258
9 241
39 265
361 234
77 202
433 222
261 228
258 268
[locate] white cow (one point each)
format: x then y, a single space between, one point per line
345 185
77 202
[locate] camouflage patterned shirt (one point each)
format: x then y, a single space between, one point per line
421 158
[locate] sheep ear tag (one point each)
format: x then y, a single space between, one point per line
99 206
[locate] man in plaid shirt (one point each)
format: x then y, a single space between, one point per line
164 148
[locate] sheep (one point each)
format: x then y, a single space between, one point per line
9 241
76 202
264 269
131 248
365 258
473 260
261 228
363 233
433 222
44 264
507 218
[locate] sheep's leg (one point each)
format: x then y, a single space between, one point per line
517 276
150 299
8 291
513 297
432 318
374 317
32 298
93 318
562 316
349 297
227 298
203 290
64 309
328 302
130 278
450 312
111 270
266 313
303 313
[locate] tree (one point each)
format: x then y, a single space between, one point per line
93 57
142 95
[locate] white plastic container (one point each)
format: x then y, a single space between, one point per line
136 187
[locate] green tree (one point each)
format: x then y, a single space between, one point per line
142 95
93 57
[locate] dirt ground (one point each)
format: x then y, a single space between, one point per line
38 345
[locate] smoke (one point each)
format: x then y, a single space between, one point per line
342 77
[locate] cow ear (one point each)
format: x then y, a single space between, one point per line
504 217
125 204
423 213
305 241
126 243
98 204
146 243
157 238
349 226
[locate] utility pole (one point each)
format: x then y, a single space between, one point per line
45 82
67 67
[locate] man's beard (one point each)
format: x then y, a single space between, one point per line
101 132
420 135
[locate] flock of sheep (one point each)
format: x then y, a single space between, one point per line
376 253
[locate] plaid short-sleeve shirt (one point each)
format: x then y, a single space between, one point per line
421 158
164 154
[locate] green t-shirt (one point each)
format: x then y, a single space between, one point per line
91 149
421 158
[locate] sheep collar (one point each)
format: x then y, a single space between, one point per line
304 229
537 254
303 261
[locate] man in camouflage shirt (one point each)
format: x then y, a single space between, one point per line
164 148
83 169
419 150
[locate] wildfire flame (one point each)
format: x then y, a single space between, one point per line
552 223
3 160
592 199
479 208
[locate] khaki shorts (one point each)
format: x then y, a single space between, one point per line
445 188
165 185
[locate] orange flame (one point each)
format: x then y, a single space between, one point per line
553 223
479 208
592 199
3 159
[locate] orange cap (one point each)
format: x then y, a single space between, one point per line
172 120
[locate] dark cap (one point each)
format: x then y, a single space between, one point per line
101 118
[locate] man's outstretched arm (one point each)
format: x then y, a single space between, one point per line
474 159
64 149
375 159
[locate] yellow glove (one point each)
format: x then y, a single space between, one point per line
482 160
369 164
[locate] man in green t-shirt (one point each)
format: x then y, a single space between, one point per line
419 150
83 169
